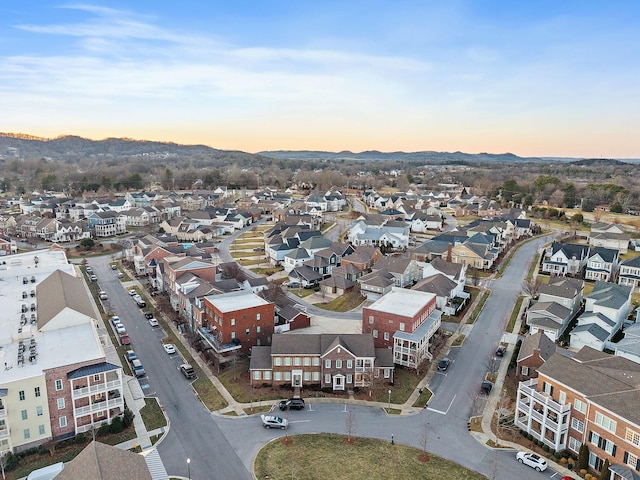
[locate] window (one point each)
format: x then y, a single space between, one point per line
547 388
287 376
349 364
316 361
387 373
233 335
60 403
306 376
27 434
257 316
632 437
39 410
375 334
327 364
562 397
96 377
631 460
595 462
605 422
41 429
574 444
37 391
579 405
256 375
258 329
401 327
24 415
338 363
297 361
307 361
349 378
278 376
21 395
525 371
594 438
370 319
233 322
63 421
267 375
277 361
386 335
327 378
577 425
248 331
609 447
316 376
58 385
287 361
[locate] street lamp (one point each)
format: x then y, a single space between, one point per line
389 400
189 468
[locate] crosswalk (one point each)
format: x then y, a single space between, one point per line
156 467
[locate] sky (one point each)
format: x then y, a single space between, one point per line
534 78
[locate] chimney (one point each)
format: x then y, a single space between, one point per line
449 248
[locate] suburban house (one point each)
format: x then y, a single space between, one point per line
549 318
443 288
337 285
107 224
476 255
565 259
423 223
363 234
609 235
376 284
295 258
404 270
305 276
606 307
588 399
566 291
336 362
7 246
602 264
363 258
404 321
629 274
236 321
629 346
534 351
290 318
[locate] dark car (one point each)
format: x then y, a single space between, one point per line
486 387
500 351
141 303
292 404
443 365
148 315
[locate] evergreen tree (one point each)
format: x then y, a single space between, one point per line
583 457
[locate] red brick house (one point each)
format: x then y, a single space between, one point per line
404 321
236 321
534 351
336 362
364 258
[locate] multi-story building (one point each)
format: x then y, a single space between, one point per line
338 362
404 321
56 380
236 321
589 399
107 224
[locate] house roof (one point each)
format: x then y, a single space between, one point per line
289 313
103 462
538 341
401 301
593 330
306 273
338 282
59 291
570 250
610 295
632 262
260 358
379 278
234 301
438 284
606 254
398 265
563 287
553 308
92 370
448 268
361 345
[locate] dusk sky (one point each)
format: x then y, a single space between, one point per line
534 78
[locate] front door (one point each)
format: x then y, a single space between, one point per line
338 382
296 378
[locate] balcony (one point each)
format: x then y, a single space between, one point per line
4 432
95 389
528 389
3 412
99 406
213 341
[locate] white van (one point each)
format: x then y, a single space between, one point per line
138 369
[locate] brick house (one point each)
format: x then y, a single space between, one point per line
236 321
588 399
534 351
404 321
336 362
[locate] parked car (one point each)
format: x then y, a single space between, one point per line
138 369
120 328
169 348
131 355
500 351
153 322
443 365
291 284
292 404
148 315
187 370
114 267
115 320
141 303
273 421
103 295
93 278
486 387
136 297
89 270
258 249
533 460
120 275
132 292
125 339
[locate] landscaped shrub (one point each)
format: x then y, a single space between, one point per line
545 447
583 458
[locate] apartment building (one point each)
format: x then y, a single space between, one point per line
589 399
56 380
404 321
236 321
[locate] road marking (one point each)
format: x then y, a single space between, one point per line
299 421
440 411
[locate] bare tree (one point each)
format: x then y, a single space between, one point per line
492 363
532 287
3 461
233 270
351 425
424 440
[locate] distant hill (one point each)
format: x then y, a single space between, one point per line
414 157
599 162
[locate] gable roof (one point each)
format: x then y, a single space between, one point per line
606 254
59 291
610 295
438 284
540 342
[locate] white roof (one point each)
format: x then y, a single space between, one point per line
401 301
233 301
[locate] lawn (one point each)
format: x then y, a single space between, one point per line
514 314
152 415
316 456
405 383
302 292
343 303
